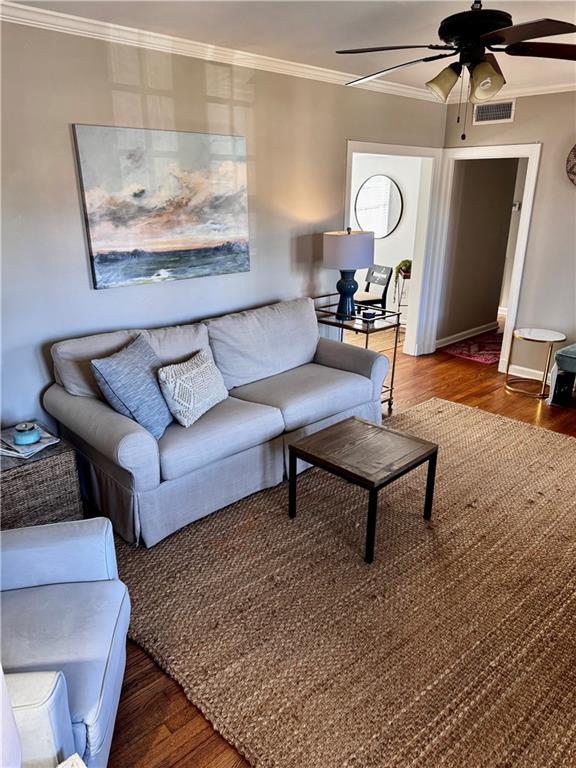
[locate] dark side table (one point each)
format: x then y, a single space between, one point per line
367 455
41 489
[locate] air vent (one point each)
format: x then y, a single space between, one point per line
494 112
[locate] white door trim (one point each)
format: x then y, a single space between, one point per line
417 310
431 308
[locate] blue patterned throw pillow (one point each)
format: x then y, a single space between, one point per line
127 379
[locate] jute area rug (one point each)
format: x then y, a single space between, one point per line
456 647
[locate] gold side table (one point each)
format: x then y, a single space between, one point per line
538 336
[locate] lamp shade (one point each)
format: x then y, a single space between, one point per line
442 84
348 250
486 82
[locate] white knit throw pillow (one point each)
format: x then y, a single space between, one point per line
192 388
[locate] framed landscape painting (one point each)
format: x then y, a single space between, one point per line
162 205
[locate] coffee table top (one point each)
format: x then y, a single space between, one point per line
365 453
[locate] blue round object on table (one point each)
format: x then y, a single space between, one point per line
26 434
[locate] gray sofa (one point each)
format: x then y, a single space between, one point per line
284 382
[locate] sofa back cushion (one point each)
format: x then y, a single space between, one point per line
72 357
258 343
178 343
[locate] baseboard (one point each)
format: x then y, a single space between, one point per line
466 334
524 373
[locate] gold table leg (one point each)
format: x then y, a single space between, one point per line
518 379
508 364
543 392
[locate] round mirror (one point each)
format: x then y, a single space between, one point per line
378 206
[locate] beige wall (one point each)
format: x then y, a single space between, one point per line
480 211
296 133
548 295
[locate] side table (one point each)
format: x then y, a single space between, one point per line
367 455
41 489
384 320
538 336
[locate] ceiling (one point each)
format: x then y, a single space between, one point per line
309 31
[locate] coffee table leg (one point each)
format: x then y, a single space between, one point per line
292 474
430 480
371 525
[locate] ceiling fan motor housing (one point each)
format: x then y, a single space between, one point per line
464 29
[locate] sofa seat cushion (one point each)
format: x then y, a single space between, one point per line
308 393
79 629
230 427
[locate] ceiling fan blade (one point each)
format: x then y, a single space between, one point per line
398 48
543 50
494 61
374 75
527 31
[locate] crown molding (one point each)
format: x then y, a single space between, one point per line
543 90
508 93
54 21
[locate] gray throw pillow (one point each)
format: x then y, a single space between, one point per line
127 379
193 387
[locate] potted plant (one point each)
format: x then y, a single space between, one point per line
403 268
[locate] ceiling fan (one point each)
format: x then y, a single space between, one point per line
474 36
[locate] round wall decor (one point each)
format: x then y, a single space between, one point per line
378 205
571 165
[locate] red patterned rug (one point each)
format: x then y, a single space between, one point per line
484 348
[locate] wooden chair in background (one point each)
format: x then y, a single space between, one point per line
380 276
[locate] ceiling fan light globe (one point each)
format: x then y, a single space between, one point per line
486 82
442 84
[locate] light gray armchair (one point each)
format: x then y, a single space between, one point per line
65 617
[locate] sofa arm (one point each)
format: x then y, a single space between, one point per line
40 705
116 437
347 357
58 553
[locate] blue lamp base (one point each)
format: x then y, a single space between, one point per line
346 287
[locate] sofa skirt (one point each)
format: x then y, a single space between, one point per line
150 516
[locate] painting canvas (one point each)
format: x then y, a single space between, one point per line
162 205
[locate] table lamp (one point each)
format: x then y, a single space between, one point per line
347 251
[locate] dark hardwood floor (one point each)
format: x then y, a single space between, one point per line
156 725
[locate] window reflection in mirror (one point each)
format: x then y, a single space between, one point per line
378 206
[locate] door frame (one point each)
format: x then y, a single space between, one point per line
437 265
418 305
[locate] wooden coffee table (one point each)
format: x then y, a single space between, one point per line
367 455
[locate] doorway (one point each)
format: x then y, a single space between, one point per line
415 173
431 306
485 208
427 277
